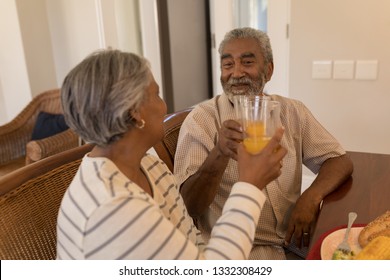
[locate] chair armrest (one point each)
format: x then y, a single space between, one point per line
15 134
13 139
39 149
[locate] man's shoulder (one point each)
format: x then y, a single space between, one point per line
290 105
204 115
286 100
207 107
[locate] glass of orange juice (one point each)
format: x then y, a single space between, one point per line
259 118
240 101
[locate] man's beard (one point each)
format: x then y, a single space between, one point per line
255 86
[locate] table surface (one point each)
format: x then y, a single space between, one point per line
367 193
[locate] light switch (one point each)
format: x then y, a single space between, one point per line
343 69
322 69
366 69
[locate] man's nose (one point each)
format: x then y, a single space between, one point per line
238 71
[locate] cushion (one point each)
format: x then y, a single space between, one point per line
48 125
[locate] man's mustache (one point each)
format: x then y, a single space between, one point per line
244 80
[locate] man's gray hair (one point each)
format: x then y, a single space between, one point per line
100 93
248 32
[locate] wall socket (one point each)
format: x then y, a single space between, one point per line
366 70
343 69
321 69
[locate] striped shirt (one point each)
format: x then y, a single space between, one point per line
104 215
306 141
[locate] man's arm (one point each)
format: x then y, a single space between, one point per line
199 190
331 175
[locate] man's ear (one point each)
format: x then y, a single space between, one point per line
269 71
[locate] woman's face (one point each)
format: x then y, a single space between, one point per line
153 111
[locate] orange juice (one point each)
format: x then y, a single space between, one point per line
255 139
254 146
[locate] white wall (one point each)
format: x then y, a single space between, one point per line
357 112
222 20
150 38
42 40
14 81
277 20
128 26
74 30
37 47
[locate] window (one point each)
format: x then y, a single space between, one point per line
251 13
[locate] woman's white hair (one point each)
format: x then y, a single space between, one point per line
100 93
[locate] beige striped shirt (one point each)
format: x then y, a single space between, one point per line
305 139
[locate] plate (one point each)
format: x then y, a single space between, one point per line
330 242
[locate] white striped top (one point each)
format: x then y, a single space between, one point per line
104 215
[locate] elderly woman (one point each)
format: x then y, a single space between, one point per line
124 203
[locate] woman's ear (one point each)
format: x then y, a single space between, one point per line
135 115
137 120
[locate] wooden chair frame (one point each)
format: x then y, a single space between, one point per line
16 147
30 198
166 149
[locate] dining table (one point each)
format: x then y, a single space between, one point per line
366 192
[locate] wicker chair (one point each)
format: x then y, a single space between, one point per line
166 149
16 149
29 203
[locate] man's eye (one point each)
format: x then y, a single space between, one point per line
227 65
248 62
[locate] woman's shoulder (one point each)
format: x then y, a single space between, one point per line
152 159
154 165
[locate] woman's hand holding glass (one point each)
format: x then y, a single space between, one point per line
265 166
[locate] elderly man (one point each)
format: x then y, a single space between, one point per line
207 152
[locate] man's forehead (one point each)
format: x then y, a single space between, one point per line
241 55
242 47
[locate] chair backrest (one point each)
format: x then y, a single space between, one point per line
15 134
30 198
166 149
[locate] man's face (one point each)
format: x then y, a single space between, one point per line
242 68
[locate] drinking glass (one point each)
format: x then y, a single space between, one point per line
240 100
259 118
